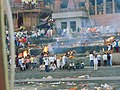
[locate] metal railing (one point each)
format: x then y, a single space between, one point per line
16 7
70 10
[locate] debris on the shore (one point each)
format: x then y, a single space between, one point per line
30 82
49 77
56 83
84 77
84 88
73 88
71 83
81 85
97 88
43 77
106 86
36 89
54 86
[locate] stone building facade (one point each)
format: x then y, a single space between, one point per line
96 12
28 14
69 14
105 12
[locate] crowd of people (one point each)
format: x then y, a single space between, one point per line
21 37
29 5
30 62
98 59
47 62
114 46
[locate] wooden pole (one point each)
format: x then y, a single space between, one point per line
87 8
95 7
12 44
4 85
113 5
104 6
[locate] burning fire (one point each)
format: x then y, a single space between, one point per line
110 39
45 49
25 53
20 55
71 54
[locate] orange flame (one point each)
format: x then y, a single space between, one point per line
45 49
25 53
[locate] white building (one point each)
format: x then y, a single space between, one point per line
68 15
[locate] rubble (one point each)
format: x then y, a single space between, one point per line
84 88
56 83
97 88
106 86
71 83
84 77
54 86
49 77
30 82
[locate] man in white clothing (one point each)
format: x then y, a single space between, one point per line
91 59
64 60
46 61
95 63
110 59
99 57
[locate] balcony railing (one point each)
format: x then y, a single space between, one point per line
69 14
70 10
30 7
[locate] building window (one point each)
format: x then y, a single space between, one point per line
92 7
63 25
82 5
73 25
117 6
64 4
47 2
14 16
85 22
109 8
99 7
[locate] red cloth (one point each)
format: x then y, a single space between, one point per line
25 40
92 29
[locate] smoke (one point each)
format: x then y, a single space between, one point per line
84 36
76 39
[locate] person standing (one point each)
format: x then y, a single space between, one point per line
64 60
46 61
27 62
109 47
95 63
108 59
32 62
99 59
91 59
105 59
41 59
59 62
119 46
82 65
114 45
